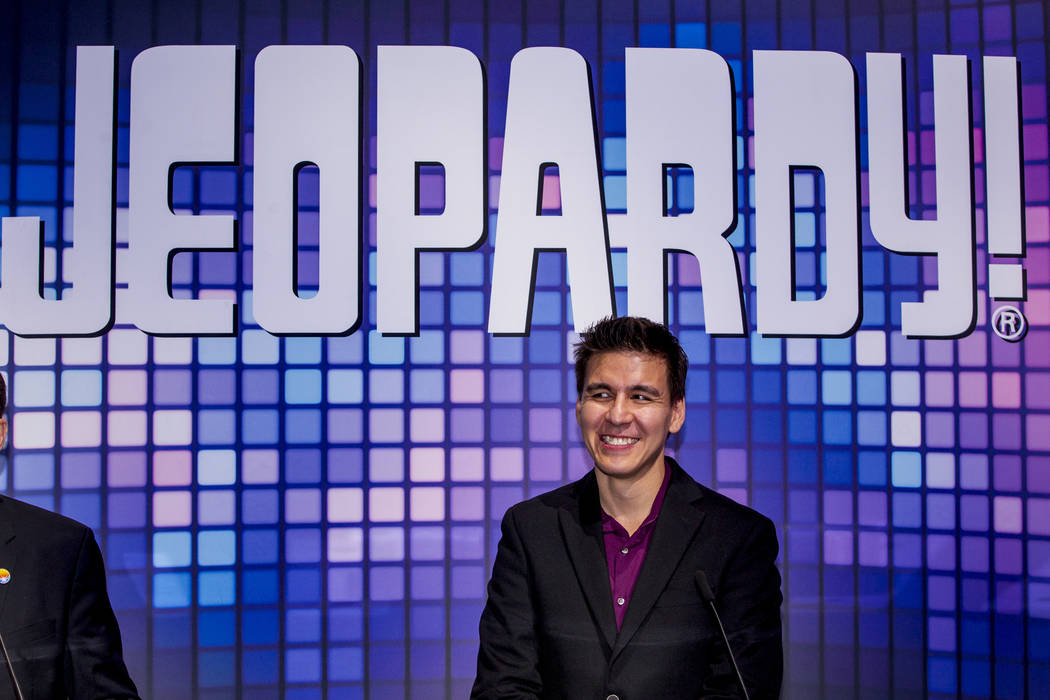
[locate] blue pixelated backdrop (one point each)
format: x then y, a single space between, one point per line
309 517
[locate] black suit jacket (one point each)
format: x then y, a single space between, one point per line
549 631
55 616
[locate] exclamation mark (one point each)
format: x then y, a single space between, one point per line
1004 194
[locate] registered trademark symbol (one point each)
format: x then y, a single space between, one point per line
1009 323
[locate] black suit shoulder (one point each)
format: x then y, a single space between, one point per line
539 515
562 497
46 527
724 507
35 515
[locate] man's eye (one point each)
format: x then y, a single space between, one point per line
642 397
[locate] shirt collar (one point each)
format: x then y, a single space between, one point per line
610 524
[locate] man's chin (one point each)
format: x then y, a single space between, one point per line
622 471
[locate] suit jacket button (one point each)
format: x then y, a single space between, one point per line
612 696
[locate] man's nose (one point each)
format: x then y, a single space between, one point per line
620 410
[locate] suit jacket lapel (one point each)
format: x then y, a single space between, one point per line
675 529
581 527
7 550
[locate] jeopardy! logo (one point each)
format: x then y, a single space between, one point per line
431 114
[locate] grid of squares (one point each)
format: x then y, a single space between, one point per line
306 516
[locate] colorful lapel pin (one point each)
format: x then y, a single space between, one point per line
5 576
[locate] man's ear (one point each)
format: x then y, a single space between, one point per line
3 432
677 416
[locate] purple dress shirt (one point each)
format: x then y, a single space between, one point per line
625 553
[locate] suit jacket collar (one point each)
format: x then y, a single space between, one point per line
679 519
581 527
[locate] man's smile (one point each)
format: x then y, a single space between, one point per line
619 440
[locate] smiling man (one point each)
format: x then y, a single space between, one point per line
594 590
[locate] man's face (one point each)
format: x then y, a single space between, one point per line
625 412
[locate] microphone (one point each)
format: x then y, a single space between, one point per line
709 597
11 669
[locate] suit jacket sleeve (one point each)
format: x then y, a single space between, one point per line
748 599
94 661
508 657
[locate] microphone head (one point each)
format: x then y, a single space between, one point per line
704 587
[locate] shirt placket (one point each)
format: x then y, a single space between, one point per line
624 562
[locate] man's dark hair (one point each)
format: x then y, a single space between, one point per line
3 394
633 334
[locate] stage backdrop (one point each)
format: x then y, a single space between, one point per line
300 511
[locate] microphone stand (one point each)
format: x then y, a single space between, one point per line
709 597
11 669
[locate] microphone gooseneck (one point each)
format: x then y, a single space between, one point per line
709 597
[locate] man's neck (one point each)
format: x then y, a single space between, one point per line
629 500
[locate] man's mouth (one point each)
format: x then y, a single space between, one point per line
619 440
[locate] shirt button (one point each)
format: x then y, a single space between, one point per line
612 696
623 551
620 601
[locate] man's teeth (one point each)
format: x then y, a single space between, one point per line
618 440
